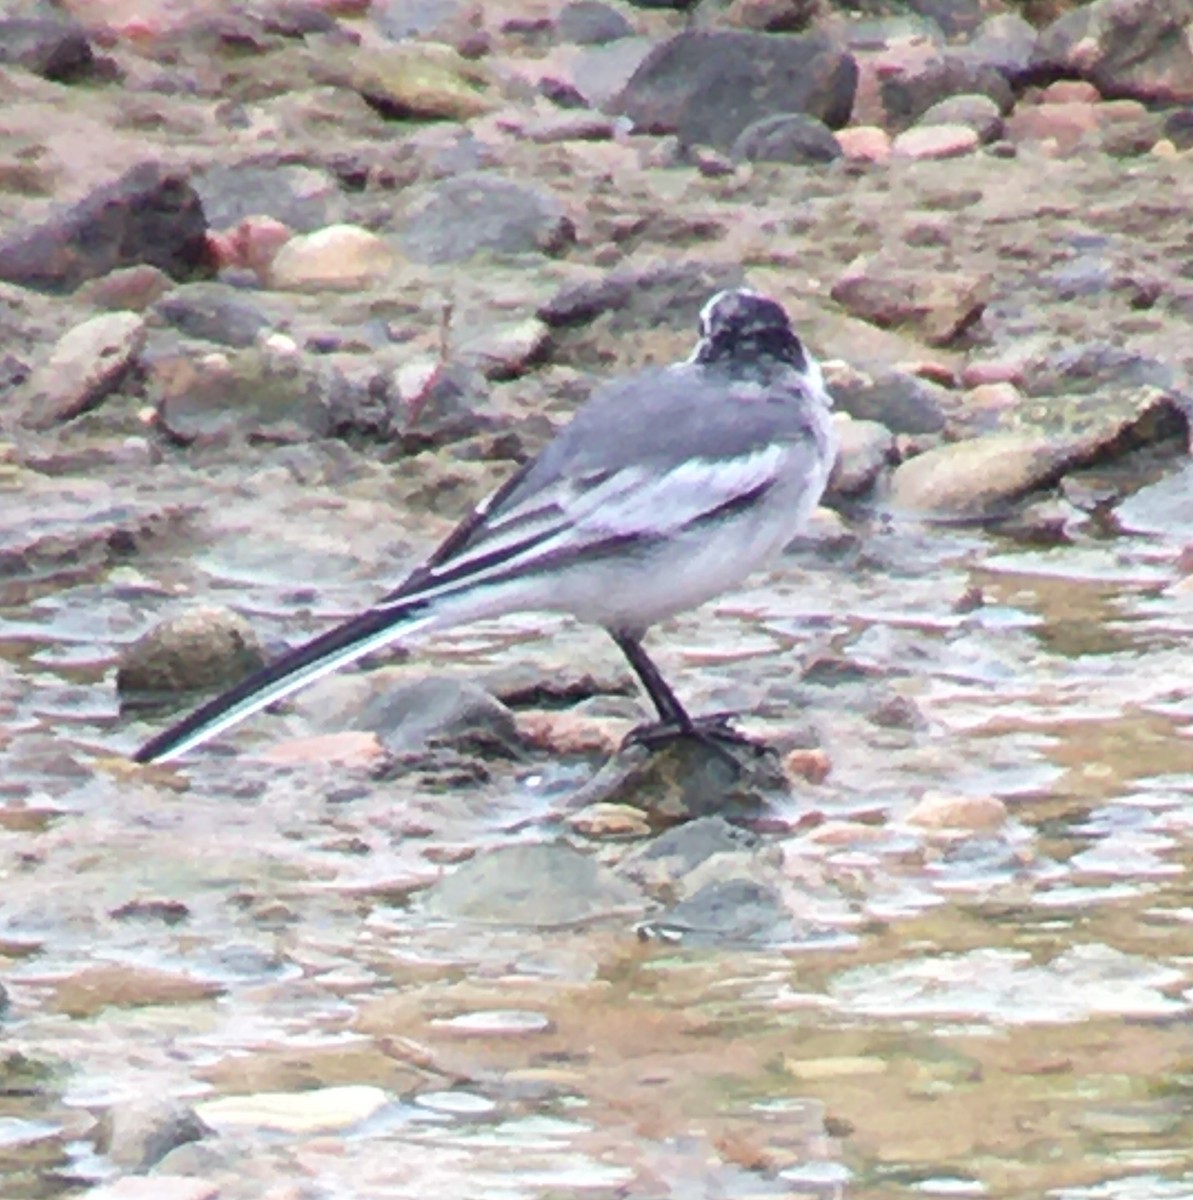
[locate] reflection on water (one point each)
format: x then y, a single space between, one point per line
998 1013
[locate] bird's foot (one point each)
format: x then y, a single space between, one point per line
712 731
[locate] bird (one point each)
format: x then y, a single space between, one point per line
668 487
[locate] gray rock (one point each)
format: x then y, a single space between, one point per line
211 400
1005 42
1124 48
978 113
670 294
898 402
907 95
726 911
589 22
196 650
214 312
544 886
600 73
786 138
484 212
1160 508
305 198
151 214
685 847
866 449
55 49
138 1134
708 86
88 363
441 710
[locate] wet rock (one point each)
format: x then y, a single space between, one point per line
124 985
807 765
939 306
865 450
338 258
322 1110
678 851
87 364
908 94
213 312
683 779
730 910
441 710
543 885
53 49
940 810
979 477
935 141
65 528
786 138
898 401
484 212
1123 47
202 648
978 113
137 1134
421 80
303 197
708 86
258 393
150 215
1005 42
609 821
590 22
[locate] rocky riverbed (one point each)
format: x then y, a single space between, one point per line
285 288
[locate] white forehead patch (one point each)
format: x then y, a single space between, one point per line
711 306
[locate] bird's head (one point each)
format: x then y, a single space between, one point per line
739 326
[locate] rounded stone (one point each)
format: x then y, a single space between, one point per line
200 649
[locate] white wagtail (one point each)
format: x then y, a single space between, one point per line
666 489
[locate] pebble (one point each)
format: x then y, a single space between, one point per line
942 810
338 258
570 733
612 821
321 1110
348 749
421 79
86 365
864 449
864 143
936 141
201 648
807 766
91 989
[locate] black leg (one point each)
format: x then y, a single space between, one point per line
671 712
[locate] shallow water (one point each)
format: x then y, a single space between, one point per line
992 1012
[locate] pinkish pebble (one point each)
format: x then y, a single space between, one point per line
1065 124
936 141
977 373
993 397
1070 91
864 143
